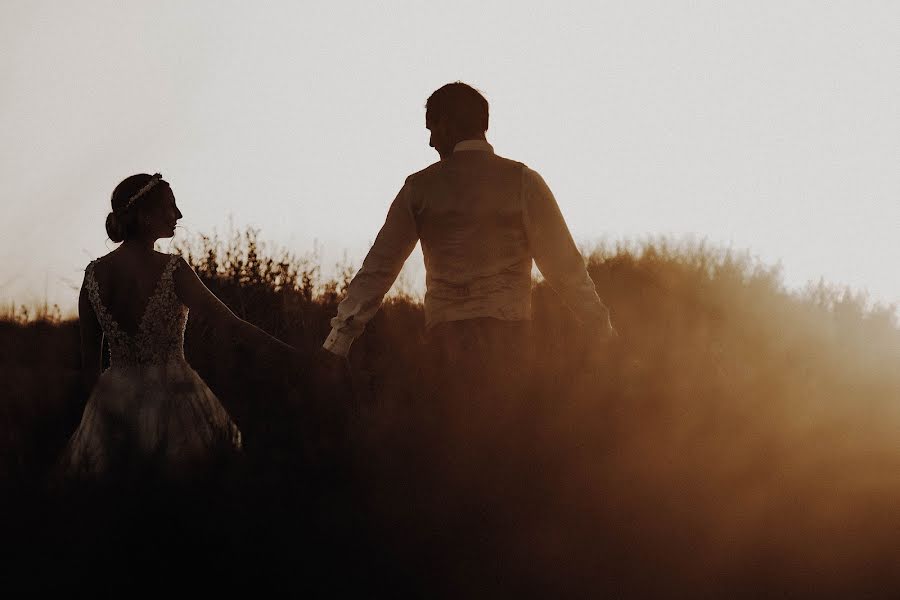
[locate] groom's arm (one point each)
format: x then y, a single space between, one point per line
394 244
557 257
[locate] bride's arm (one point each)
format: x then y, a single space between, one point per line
205 304
91 341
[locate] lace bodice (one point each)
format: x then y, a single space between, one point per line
160 334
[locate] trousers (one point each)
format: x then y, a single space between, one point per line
480 446
479 368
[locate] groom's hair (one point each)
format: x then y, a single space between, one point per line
463 105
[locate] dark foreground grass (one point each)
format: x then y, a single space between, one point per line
739 441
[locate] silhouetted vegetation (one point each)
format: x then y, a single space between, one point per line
738 440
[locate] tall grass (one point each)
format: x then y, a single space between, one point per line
741 439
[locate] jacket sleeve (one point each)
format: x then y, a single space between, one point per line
556 255
393 245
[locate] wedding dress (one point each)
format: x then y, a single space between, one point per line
150 408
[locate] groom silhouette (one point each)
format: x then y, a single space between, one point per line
481 220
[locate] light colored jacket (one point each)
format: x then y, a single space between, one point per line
481 219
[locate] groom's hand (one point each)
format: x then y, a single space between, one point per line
329 359
333 369
602 348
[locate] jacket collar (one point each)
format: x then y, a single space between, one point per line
473 145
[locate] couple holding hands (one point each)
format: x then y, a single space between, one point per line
481 219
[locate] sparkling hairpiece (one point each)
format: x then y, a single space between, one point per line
149 186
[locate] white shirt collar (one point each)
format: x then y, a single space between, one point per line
473 145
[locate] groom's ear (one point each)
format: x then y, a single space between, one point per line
442 123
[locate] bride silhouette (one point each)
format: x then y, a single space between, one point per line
150 408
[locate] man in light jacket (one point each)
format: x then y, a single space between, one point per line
481 219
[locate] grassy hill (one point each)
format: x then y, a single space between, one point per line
740 439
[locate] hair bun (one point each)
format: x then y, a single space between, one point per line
115 228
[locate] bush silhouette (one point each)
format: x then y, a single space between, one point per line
740 439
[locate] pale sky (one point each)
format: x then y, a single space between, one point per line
767 126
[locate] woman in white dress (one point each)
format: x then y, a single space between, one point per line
150 408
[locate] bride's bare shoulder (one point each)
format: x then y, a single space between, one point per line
101 266
105 259
121 264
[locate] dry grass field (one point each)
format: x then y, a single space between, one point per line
738 440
